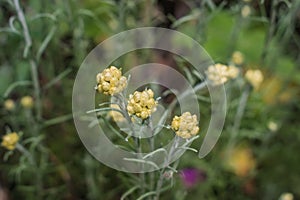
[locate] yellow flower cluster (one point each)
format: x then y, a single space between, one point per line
9 104
237 58
286 196
186 125
246 11
241 161
219 73
272 126
232 72
27 102
254 77
141 104
117 116
111 81
10 140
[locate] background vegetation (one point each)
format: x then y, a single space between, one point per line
43 44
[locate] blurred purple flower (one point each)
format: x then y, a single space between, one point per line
192 176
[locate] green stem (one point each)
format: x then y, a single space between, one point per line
152 146
28 44
35 80
26 153
37 90
38 182
197 88
167 160
28 41
270 32
57 120
238 118
142 174
235 33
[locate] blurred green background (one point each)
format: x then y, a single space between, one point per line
264 163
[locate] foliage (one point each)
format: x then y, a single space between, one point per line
43 45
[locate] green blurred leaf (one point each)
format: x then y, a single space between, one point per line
22 70
5 78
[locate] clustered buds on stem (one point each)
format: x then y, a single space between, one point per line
218 74
142 104
111 81
186 125
10 140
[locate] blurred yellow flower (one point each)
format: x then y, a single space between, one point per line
272 126
237 58
218 74
232 72
142 104
27 102
111 81
241 161
186 125
271 88
286 96
246 11
9 104
286 196
254 77
10 140
117 116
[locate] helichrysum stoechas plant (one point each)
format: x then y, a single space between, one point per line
27 101
111 81
186 125
254 77
142 104
10 140
219 74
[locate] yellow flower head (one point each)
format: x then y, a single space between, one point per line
241 161
9 104
142 104
254 77
246 11
237 58
117 117
10 140
219 73
186 125
111 81
272 126
27 102
232 72
286 196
